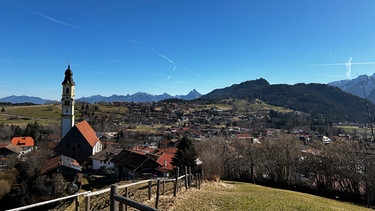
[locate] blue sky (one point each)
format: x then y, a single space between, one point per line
174 46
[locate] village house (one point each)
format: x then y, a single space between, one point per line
61 164
132 165
162 155
25 143
165 161
79 143
8 149
104 158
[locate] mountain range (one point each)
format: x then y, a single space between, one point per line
140 97
137 97
336 101
362 86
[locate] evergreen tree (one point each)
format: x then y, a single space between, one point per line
185 155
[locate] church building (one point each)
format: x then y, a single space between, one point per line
78 141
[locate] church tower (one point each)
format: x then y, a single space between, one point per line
67 116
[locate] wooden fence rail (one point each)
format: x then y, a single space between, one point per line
52 201
124 200
115 198
177 183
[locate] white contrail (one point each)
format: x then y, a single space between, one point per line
105 27
166 58
113 31
134 41
328 75
197 74
7 61
339 64
169 77
349 67
174 68
101 73
54 20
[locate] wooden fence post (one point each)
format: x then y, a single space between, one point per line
126 195
149 189
157 194
76 199
186 178
88 203
190 177
196 180
176 182
163 193
199 180
180 184
112 201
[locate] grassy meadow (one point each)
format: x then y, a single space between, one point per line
21 115
230 195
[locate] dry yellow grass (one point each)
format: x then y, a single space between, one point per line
244 196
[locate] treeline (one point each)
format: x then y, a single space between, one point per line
342 169
17 104
35 130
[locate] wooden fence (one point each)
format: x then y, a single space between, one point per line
124 201
75 196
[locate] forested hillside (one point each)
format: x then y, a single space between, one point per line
323 102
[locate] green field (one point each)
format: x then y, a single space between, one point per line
21 115
244 196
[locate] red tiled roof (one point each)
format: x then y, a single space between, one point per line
86 130
165 160
23 141
60 161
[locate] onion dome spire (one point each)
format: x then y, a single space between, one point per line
68 76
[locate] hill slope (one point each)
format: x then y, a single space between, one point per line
325 103
245 196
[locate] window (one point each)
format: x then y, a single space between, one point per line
67 90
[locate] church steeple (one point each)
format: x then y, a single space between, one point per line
68 77
67 116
